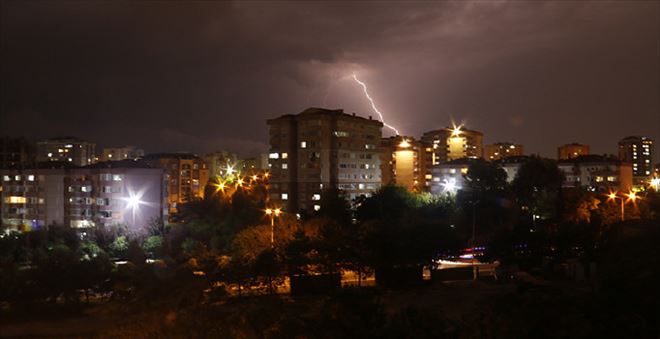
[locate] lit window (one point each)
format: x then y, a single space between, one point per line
452 170
6 178
59 150
109 155
428 176
17 178
360 186
70 159
285 196
274 156
15 200
117 177
599 179
464 170
316 197
285 166
69 146
285 155
50 155
317 207
303 144
611 178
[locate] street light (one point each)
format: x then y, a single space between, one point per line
655 182
631 196
272 213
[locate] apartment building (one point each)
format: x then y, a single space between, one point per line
322 148
125 192
66 149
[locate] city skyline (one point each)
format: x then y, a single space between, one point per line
192 87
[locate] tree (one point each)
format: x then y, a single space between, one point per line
537 187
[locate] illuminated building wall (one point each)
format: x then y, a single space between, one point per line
121 153
400 162
319 149
597 173
448 177
187 175
502 150
66 149
217 162
570 151
83 197
638 151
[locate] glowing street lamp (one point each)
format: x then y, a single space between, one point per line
626 197
272 213
449 185
655 182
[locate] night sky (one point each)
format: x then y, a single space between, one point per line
201 76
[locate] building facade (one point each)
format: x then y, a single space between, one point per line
401 162
501 150
449 177
127 193
322 148
638 151
597 173
187 175
121 153
570 151
66 149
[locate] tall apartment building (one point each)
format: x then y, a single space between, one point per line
570 151
121 153
447 144
67 149
322 148
597 172
501 150
16 152
638 151
126 192
401 162
187 175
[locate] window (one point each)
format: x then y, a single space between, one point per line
360 186
611 178
6 178
15 200
274 156
30 177
106 176
117 177
341 134
599 179
17 178
285 155
285 196
316 197
303 144
86 188
317 207
284 166
370 146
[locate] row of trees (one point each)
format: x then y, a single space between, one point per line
227 235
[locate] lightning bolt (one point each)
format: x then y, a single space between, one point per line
373 105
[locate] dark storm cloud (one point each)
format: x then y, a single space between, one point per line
201 76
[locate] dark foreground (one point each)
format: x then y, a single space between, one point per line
474 309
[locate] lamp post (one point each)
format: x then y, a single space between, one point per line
273 213
631 196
